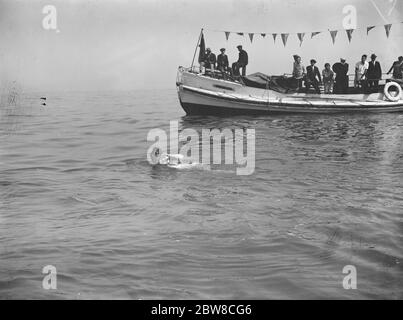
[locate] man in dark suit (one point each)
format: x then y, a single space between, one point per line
241 63
374 73
222 61
210 60
313 77
342 80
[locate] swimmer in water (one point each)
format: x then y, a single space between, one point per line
176 161
158 157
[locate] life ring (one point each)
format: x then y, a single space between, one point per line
391 97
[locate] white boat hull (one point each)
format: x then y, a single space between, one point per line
200 94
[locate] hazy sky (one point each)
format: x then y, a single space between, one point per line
121 45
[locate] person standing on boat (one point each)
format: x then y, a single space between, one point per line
241 63
341 70
210 60
361 69
222 62
313 77
374 72
298 72
328 79
397 68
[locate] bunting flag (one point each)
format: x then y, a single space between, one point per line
387 29
369 29
301 38
284 37
301 35
349 34
333 34
202 50
315 33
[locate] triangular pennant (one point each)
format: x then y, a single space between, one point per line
301 38
263 35
349 34
202 51
369 29
251 37
315 33
284 37
333 35
274 37
240 33
227 35
387 29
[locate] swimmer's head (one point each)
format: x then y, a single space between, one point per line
155 155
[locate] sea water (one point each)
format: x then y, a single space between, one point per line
77 193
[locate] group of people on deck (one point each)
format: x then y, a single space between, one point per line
336 79
221 62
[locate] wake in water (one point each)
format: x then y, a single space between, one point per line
179 162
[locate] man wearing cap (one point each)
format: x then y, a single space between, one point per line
397 68
341 70
313 77
210 60
361 70
374 73
241 63
298 71
222 61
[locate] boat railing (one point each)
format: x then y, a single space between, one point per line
198 70
217 74
213 73
351 78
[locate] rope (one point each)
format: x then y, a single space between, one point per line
246 32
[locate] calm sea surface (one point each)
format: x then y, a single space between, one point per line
77 192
